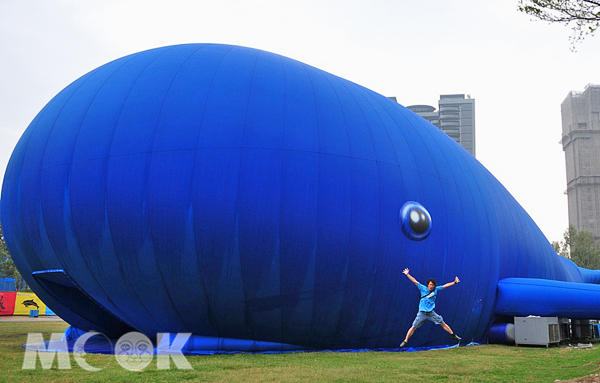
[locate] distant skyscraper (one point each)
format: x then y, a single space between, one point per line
581 144
427 112
456 118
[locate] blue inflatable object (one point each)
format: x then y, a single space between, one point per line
237 194
502 333
548 298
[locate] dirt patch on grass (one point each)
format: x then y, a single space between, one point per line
594 378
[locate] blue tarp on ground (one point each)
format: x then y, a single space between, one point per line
196 345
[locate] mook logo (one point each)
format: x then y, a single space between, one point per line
134 351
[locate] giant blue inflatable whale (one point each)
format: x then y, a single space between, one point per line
257 201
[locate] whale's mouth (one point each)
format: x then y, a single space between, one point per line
64 290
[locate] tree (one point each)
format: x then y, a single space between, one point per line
582 15
564 247
8 268
580 247
557 247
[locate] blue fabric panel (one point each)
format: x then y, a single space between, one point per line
332 129
93 231
265 104
12 220
31 183
105 110
333 235
360 141
522 261
13 226
134 132
127 207
225 110
382 142
472 322
88 207
385 321
433 137
410 140
534 264
300 125
182 111
216 230
57 213
126 195
504 225
171 219
487 236
259 211
298 243
402 150
465 228
61 140
362 255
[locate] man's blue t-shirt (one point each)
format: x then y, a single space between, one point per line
427 304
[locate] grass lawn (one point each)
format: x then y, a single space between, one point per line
486 363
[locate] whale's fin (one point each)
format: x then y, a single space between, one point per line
543 297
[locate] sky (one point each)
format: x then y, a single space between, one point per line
517 69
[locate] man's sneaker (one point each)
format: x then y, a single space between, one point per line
402 344
455 337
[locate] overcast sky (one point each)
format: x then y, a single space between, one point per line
517 70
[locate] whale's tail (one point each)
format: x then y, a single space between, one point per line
580 274
590 276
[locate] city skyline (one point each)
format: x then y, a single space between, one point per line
455 117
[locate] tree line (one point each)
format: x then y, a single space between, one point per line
8 268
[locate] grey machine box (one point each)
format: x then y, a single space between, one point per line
537 331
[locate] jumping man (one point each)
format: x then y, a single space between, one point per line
426 306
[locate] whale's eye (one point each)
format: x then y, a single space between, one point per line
415 221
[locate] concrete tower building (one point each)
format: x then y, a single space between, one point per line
456 118
581 144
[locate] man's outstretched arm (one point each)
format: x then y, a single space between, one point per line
412 279
456 280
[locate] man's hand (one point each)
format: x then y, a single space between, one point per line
412 279
456 280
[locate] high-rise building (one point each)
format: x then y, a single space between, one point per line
427 112
456 118
581 144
